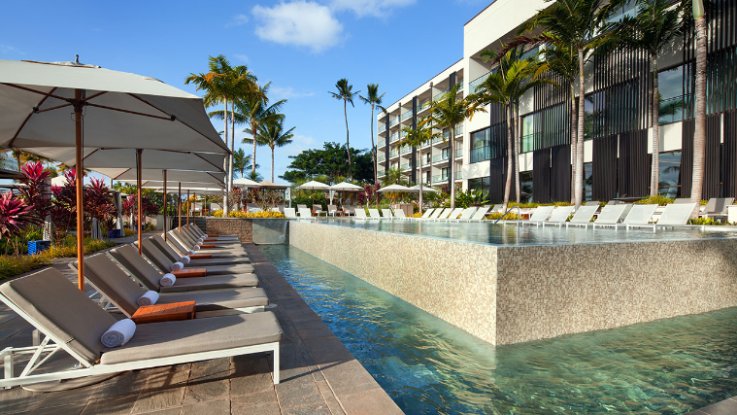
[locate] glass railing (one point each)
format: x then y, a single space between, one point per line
405 150
394 120
407 115
393 153
473 86
440 178
406 166
438 96
459 152
394 137
458 175
381 157
382 126
423 105
438 139
459 130
444 156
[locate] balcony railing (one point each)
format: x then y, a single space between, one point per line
405 150
473 86
459 152
393 153
394 137
422 106
407 115
440 178
381 157
406 166
394 120
382 126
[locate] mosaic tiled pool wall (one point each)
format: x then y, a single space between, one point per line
509 294
451 280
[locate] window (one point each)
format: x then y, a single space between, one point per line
525 184
428 177
628 9
528 133
480 146
482 184
445 173
588 181
445 153
672 99
670 174
428 157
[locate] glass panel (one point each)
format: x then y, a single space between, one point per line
672 99
525 184
481 184
480 146
670 173
588 181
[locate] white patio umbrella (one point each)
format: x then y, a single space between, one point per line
247 183
425 189
345 187
314 185
70 105
395 188
271 185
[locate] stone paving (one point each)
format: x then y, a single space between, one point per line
318 374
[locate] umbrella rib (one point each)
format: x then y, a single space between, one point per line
38 111
208 161
124 172
10 144
143 114
174 118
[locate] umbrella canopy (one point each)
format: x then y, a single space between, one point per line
121 110
346 187
173 176
243 182
395 188
425 189
195 188
270 185
87 107
313 185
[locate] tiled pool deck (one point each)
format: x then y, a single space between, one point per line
318 374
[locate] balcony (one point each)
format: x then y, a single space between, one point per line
405 150
406 166
394 137
382 126
442 178
381 157
407 115
394 120
480 154
459 152
422 106
473 86
393 153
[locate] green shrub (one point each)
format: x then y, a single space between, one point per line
508 216
11 265
706 221
655 200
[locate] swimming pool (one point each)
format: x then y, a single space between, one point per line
428 366
512 234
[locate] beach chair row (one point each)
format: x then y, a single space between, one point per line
190 297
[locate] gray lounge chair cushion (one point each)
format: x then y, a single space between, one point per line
138 266
213 282
214 300
186 247
154 253
195 336
61 310
174 256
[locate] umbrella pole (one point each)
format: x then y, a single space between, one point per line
79 193
165 194
188 208
179 206
139 191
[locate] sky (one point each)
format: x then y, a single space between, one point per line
301 46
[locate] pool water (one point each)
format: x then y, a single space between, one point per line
513 234
427 366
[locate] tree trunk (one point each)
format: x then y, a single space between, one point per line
517 133
578 191
373 147
574 140
452 165
422 179
254 131
229 160
272 164
347 138
655 122
699 138
510 158
232 145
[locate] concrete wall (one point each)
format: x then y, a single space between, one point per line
451 280
230 226
513 294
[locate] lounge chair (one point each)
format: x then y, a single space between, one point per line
717 207
317 210
155 255
540 214
301 207
387 214
290 213
677 214
73 323
480 213
193 239
169 251
185 245
196 234
115 285
453 215
611 215
349 210
592 203
438 212
559 215
374 214
196 229
427 213
639 216
149 276
360 213
583 215
332 210
182 250
399 214
305 213
468 213
497 208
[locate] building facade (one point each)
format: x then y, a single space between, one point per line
617 147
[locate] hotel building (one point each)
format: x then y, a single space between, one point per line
617 148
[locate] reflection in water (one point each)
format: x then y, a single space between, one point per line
512 234
427 366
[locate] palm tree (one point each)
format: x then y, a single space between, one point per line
447 113
271 133
417 137
241 162
655 26
255 109
699 138
513 78
578 26
345 93
374 99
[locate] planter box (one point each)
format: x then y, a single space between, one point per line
34 247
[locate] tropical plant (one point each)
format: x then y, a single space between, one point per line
699 140
656 25
395 176
241 162
514 77
15 215
470 198
374 99
130 205
328 163
98 201
35 183
344 92
577 27
271 134
255 108
417 137
64 204
447 113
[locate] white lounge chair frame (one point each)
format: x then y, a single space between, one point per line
559 215
387 214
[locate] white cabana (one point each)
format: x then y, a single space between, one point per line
86 108
314 185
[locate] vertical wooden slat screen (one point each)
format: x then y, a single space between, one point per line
633 166
729 155
560 173
541 180
604 167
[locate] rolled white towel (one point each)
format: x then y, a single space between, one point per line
201 240
167 280
176 266
186 259
191 252
148 298
119 333
206 236
196 248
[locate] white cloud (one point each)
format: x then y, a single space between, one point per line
375 8
288 92
300 23
237 20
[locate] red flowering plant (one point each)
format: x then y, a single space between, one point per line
369 194
64 204
35 179
98 201
130 204
15 215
